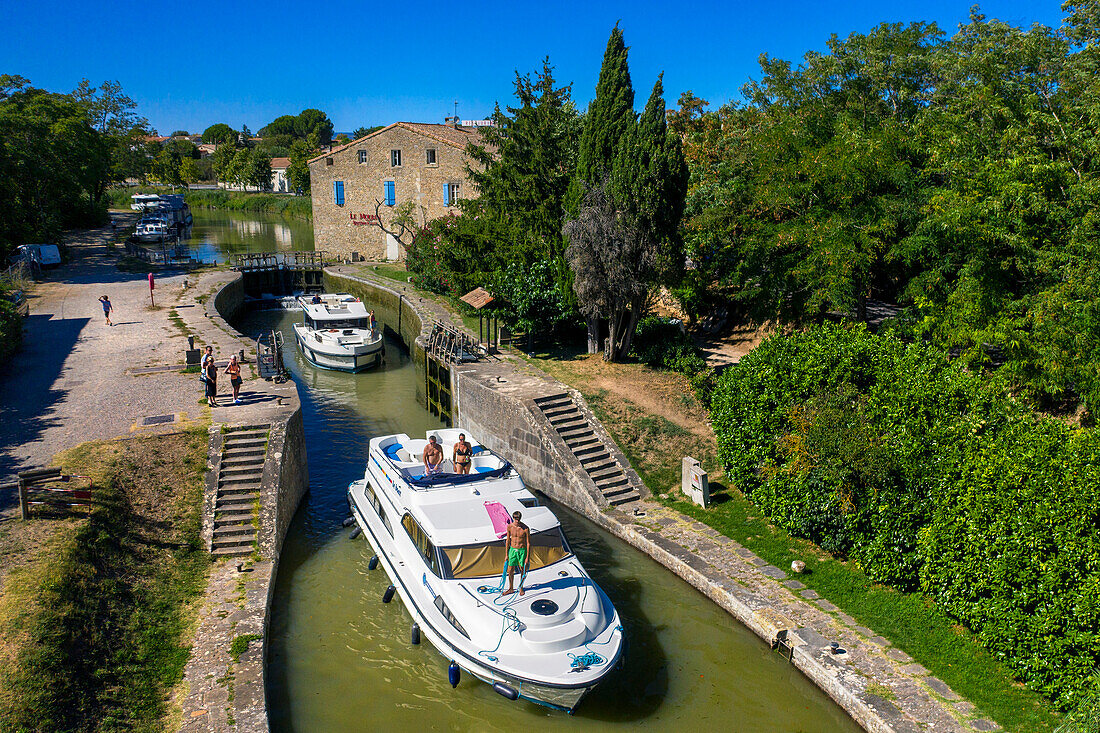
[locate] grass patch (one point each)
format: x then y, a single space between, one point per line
105 640
240 645
393 271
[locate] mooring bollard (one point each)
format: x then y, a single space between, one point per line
694 483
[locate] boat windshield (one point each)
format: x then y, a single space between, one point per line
487 560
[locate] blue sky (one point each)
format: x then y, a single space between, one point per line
191 65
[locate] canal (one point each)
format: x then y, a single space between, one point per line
341 660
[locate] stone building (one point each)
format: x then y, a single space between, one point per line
358 186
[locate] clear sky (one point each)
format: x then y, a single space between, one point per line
189 65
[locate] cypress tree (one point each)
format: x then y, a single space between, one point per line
610 117
649 182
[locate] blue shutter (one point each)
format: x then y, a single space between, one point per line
446 194
391 193
338 192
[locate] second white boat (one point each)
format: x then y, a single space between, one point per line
337 333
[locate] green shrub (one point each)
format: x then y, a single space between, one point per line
928 477
660 342
11 330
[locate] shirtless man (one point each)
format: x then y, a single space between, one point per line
433 456
519 550
463 452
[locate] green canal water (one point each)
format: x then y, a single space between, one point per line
340 659
217 234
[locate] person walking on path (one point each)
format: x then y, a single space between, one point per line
233 369
207 355
107 308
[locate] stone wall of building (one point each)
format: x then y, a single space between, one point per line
351 229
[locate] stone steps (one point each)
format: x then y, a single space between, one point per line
244 451
598 461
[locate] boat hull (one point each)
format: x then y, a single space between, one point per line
559 697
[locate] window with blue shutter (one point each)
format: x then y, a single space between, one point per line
338 192
446 194
391 193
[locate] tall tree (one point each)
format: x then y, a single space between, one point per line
609 118
218 134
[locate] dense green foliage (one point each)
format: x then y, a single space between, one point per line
930 478
11 330
308 122
954 175
54 164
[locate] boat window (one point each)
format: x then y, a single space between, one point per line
487 560
442 606
374 502
423 545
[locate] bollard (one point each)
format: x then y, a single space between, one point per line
694 483
24 512
190 343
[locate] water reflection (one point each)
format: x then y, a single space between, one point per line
217 234
341 660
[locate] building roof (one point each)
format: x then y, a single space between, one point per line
280 163
477 298
446 134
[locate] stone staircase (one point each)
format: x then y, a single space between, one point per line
598 461
236 508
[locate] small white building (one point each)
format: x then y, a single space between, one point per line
279 182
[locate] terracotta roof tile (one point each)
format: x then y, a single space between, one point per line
446 134
280 163
478 298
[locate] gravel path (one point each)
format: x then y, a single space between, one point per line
68 384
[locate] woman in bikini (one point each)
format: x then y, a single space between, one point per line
462 454
233 369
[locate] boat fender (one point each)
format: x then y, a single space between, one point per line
415 636
502 689
453 674
355 533
388 595
372 563
349 521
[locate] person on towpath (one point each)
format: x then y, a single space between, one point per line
107 308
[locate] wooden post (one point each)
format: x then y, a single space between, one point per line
24 510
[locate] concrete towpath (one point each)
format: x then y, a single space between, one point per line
74 379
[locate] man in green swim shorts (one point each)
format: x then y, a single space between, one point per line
519 548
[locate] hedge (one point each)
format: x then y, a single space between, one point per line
931 478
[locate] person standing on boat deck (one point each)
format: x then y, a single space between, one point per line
107 308
433 456
233 369
519 548
370 320
462 454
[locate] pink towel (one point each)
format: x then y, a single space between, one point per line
499 514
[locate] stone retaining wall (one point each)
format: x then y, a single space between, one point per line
223 692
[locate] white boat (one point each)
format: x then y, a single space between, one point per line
336 333
153 229
170 206
439 538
